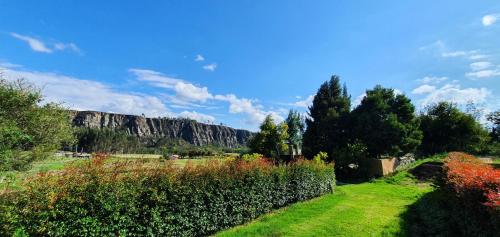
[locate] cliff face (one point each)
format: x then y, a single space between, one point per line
196 133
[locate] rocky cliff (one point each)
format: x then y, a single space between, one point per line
196 133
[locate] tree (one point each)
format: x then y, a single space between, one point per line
327 125
270 140
29 130
296 126
385 123
446 128
494 119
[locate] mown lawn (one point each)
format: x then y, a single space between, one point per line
368 209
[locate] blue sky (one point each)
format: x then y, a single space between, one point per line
234 62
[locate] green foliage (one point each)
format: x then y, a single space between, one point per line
446 128
251 157
321 157
327 125
106 140
29 130
270 140
386 123
296 126
138 200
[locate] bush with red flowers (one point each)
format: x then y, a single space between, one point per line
476 194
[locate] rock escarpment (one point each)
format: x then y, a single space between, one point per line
196 133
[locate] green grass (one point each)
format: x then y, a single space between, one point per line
369 209
13 179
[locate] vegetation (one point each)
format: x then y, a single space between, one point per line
379 208
296 126
328 121
29 130
133 199
474 189
270 140
386 123
446 128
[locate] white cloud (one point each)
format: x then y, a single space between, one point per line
358 99
432 80
204 118
483 73
304 103
454 93
67 46
477 66
184 91
199 58
490 19
254 112
35 44
423 89
89 95
210 67
39 46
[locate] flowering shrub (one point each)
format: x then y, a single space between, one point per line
476 189
135 198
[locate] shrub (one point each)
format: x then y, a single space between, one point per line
476 194
134 199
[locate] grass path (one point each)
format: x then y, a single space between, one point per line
368 209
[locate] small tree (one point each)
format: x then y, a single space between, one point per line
270 140
386 123
296 126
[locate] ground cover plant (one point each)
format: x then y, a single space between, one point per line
128 198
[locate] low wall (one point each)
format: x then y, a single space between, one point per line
381 167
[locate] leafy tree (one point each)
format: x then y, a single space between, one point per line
29 130
296 126
494 119
386 123
327 125
446 128
270 140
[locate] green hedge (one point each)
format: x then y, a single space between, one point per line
133 199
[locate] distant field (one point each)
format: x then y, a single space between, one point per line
13 179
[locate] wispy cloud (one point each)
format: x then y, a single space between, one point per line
452 93
423 89
35 44
477 66
95 95
210 67
490 19
199 58
200 117
184 91
305 102
432 80
484 74
38 45
255 113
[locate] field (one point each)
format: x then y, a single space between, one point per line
13 179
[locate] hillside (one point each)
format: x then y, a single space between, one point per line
199 134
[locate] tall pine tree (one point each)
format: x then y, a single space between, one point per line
327 125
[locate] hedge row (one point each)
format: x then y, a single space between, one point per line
136 199
475 189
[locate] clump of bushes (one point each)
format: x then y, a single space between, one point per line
475 189
163 200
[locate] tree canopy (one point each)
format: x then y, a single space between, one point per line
386 123
327 124
270 140
29 129
446 128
